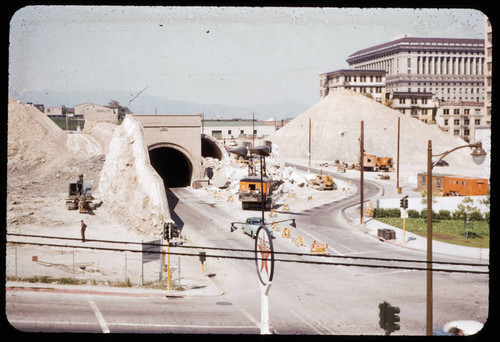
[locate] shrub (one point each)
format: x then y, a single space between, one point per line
382 212
444 215
412 213
379 212
423 214
394 212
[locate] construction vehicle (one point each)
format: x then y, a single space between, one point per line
324 182
370 162
80 195
250 192
373 163
385 163
255 191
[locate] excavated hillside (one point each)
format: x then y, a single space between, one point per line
335 132
42 158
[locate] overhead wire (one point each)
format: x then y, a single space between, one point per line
223 256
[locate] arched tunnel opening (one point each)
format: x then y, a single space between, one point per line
172 165
209 148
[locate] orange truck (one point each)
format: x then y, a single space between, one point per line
385 163
373 163
250 192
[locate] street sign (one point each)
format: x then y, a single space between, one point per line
264 255
151 251
404 213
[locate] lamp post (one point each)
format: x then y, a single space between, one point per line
478 156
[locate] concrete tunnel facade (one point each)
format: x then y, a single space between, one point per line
176 147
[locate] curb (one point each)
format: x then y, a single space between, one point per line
204 290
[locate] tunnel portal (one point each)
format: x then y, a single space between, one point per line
172 165
209 148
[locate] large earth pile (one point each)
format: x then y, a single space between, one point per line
42 158
37 148
335 132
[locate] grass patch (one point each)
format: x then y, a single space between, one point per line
451 231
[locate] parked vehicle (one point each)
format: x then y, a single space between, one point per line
458 328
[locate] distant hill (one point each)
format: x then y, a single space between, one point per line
148 104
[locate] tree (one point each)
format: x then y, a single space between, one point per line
424 198
122 110
468 211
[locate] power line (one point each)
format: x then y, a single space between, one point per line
254 258
252 251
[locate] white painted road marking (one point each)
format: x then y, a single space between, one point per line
98 315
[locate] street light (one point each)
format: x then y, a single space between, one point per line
478 156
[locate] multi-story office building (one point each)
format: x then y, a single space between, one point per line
460 118
488 44
371 82
419 105
451 68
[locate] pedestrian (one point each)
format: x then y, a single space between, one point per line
84 226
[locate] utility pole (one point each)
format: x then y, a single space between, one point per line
253 130
309 154
362 165
397 165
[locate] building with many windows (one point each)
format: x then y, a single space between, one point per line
452 69
460 118
370 82
239 128
488 48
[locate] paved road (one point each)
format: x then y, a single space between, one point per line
332 299
304 298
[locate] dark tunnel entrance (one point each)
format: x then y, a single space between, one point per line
209 148
172 166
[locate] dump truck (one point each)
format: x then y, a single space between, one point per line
80 195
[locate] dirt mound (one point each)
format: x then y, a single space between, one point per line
37 148
335 132
34 142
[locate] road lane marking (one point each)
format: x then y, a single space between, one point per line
310 318
306 322
384 273
98 315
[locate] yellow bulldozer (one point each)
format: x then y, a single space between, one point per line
324 182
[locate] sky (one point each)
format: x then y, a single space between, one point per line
231 56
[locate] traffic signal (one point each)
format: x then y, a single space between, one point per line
388 317
383 315
392 318
166 228
170 230
203 256
403 202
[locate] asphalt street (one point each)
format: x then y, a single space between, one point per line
334 295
